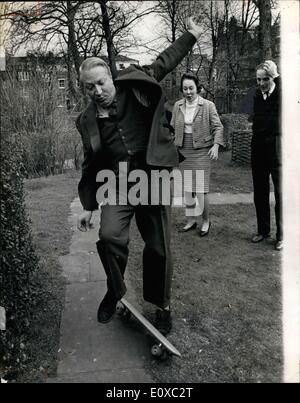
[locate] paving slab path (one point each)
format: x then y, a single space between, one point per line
227 198
91 352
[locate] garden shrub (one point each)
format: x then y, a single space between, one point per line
46 130
19 285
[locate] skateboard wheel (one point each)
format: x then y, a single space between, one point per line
120 309
156 350
159 352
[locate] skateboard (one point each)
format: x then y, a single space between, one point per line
161 348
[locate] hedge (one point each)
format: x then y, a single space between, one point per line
19 285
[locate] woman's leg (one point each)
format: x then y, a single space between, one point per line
203 200
191 208
205 214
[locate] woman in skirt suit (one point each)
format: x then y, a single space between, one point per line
198 135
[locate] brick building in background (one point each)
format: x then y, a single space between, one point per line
50 67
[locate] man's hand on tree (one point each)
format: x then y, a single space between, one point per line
84 221
193 27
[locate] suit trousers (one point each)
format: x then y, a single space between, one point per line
153 223
266 162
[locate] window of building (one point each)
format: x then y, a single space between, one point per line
121 66
62 83
23 76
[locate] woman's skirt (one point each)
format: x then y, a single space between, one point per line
196 167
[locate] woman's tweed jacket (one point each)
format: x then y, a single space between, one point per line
207 127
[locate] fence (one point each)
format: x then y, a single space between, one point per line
241 146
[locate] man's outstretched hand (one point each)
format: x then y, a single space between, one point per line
84 221
193 27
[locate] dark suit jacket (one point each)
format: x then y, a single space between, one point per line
247 105
267 114
161 151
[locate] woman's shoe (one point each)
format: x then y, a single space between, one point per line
204 233
189 227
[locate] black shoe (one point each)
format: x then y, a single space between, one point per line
279 245
259 238
163 321
107 308
204 233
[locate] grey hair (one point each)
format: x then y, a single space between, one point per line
262 66
92 62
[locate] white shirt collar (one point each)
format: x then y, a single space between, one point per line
273 86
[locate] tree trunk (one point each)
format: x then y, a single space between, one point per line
73 54
72 36
109 40
265 25
173 29
211 72
71 89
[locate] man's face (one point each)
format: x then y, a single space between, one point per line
264 81
99 85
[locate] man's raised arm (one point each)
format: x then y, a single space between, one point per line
172 56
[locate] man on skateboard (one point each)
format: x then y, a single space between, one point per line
126 123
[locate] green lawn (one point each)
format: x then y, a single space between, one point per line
228 177
48 204
226 293
226 302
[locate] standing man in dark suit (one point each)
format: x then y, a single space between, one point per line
126 122
266 151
